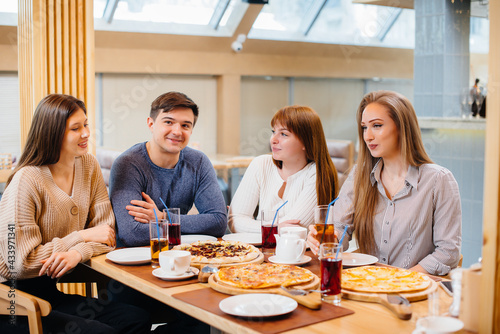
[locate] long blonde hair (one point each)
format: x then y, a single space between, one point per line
412 151
306 125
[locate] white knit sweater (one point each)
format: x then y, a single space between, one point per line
37 218
260 186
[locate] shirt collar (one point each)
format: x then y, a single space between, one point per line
411 175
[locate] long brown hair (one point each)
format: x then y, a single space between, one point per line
412 151
306 125
44 141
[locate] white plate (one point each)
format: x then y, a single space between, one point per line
248 238
130 256
305 259
158 272
357 259
257 305
190 238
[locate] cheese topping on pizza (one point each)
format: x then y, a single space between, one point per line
220 252
266 275
383 279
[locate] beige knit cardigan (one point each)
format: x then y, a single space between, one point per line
37 218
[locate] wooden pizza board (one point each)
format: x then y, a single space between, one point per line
402 311
258 260
311 300
375 298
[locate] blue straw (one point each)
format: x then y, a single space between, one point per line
340 242
276 214
168 213
157 228
326 218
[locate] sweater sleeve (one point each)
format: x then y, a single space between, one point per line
245 200
21 240
211 218
126 184
100 212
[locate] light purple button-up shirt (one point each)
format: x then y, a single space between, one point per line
422 224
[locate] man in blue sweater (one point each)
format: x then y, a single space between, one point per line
165 168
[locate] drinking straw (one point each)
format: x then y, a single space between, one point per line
168 213
157 228
326 218
274 219
340 242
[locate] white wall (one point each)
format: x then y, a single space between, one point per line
10 141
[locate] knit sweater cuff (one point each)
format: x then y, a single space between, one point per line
85 250
72 239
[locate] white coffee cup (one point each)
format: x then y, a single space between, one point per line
290 247
438 325
298 230
175 262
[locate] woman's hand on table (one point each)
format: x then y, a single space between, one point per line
144 211
311 240
290 222
103 234
59 263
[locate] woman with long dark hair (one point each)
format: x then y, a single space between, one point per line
299 171
400 206
56 212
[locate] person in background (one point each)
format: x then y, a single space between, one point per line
401 207
164 167
57 212
299 171
476 95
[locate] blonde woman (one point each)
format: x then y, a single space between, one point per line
400 206
299 171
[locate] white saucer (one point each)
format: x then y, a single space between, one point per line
158 272
130 256
357 259
305 259
190 238
257 305
248 238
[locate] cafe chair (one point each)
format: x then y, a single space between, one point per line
342 154
25 305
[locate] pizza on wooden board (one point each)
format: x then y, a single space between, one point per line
266 275
375 279
220 252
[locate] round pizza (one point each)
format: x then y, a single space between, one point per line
266 275
383 280
220 252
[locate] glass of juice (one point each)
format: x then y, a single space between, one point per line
158 239
173 219
324 226
330 256
269 227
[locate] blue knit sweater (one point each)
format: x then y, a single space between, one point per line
191 181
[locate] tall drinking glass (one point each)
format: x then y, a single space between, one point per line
330 256
173 219
158 239
269 229
324 227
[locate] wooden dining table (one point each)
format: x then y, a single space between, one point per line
367 317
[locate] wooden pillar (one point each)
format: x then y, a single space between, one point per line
489 307
56 55
228 114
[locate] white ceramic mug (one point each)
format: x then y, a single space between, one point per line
438 325
290 248
298 230
175 262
